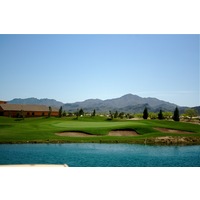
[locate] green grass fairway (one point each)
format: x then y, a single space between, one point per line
42 130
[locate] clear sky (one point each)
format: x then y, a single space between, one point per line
72 68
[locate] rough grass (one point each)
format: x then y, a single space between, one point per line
42 130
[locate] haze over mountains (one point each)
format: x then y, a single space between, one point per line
128 103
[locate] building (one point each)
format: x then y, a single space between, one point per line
25 110
3 102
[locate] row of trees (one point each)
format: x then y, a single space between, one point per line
120 115
78 113
161 116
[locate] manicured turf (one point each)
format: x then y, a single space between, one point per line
36 130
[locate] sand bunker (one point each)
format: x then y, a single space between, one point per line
122 133
166 130
75 134
111 133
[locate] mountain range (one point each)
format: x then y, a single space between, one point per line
35 101
128 103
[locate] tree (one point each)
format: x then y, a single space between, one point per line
191 113
167 115
94 113
138 115
64 114
121 115
60 111
129 116
81 112
160 115
110 115
77 114
145 113
153 115
50 111
116 114
176 115
21 115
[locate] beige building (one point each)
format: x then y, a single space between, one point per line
25 110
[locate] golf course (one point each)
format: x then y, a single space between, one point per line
96 130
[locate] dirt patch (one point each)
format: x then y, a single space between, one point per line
166 130
74 134
122 133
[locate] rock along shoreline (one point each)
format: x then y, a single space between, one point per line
164 140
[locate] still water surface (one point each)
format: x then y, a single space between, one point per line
101 155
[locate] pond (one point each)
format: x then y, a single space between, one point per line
101 155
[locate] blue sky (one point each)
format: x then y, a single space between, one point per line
72 68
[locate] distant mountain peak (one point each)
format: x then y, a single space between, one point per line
127 103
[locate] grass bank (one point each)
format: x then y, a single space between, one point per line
42 130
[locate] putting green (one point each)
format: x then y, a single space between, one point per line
72 124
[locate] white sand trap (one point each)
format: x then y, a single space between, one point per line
123 133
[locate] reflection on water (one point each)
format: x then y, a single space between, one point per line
101 155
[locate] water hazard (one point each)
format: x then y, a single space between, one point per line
101 155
